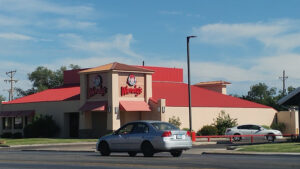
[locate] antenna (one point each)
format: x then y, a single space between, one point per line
283 78
11 75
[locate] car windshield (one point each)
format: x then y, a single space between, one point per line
164 126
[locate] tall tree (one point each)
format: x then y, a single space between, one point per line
2 98
44 78
261 93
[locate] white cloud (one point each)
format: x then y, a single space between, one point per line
117 44
15 36
37 6
281 34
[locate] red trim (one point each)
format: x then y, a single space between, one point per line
134 106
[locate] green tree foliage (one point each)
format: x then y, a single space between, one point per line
262 94
43 78
41 126
290 89
2 98
224 121
175 121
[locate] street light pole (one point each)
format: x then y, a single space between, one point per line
189 83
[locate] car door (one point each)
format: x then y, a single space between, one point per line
245 129
255 130
119 141
136 137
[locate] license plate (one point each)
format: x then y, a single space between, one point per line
178 136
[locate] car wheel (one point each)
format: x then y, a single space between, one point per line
147 149
237 138
132 153
270 137
104 149
176 153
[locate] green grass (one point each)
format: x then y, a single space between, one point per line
31 141
276 147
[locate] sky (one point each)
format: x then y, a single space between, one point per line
242 42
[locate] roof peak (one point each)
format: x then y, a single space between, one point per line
116 66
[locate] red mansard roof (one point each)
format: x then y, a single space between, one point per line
176 95
50 95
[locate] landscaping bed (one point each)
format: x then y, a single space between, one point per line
274 147
32 141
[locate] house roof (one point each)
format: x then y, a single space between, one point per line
57 94
176 95
116 66
292 99
212 83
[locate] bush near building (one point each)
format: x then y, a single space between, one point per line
224 121
175 121
41 126
208 130
278 126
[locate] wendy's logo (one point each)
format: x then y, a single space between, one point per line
131 80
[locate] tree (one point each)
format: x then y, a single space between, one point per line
224 121
44 78
290 89
262 94
175 121
2 98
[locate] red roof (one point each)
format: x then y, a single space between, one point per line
57 94
176 95
134 106
165 74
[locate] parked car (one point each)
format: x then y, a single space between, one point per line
251 129
147 137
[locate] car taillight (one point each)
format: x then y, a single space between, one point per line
166 134
188 133
228 130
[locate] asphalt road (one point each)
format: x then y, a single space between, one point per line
50 160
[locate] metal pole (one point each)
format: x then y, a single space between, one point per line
189 83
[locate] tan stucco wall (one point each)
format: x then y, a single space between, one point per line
205 115
56 109
289 118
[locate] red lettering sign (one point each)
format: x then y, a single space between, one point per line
127 90
93 91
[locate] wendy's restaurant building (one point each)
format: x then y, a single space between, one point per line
96 101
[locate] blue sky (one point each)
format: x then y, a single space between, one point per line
243 42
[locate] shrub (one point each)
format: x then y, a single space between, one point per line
208 130
17 135
224 121
6 135
278 126
186 129
175 121
266 126
41 126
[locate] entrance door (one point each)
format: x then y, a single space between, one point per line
74 124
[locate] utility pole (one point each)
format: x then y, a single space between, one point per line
11 80
283 78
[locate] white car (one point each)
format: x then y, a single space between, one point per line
251 129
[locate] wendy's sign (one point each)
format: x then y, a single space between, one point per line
97 87
131 88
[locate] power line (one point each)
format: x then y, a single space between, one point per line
283 78
11 80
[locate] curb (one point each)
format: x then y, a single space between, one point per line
44 145
63 151
251 154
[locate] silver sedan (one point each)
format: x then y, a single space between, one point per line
148 137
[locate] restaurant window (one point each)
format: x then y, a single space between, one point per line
18 123
7 122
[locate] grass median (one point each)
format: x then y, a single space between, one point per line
32 141
275 147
